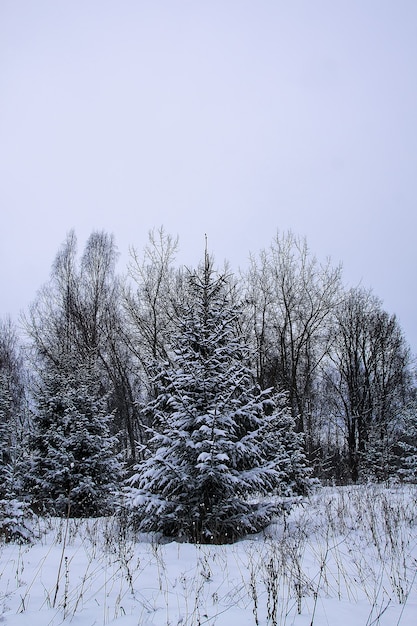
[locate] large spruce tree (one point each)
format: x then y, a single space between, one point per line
219 444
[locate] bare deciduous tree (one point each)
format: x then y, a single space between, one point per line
369 380
152 299
291 297
78 314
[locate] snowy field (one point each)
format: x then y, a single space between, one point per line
345 556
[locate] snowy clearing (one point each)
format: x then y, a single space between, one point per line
345 555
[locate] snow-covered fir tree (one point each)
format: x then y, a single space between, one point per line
73 470
12 410
220 446
407 444
6 413
15 514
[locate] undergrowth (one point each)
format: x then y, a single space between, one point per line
352 544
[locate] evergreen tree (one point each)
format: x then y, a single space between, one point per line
6 413
406 447
15 514
218 446
13 414
74 470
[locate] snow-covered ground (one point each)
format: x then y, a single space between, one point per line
345 556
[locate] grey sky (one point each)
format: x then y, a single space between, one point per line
231 118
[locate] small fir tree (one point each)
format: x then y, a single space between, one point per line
74 470
407 445
6 444
15 514
219 444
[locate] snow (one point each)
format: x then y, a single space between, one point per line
343 556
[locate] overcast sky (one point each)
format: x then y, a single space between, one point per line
231 118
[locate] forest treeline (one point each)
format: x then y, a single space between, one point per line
94 342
